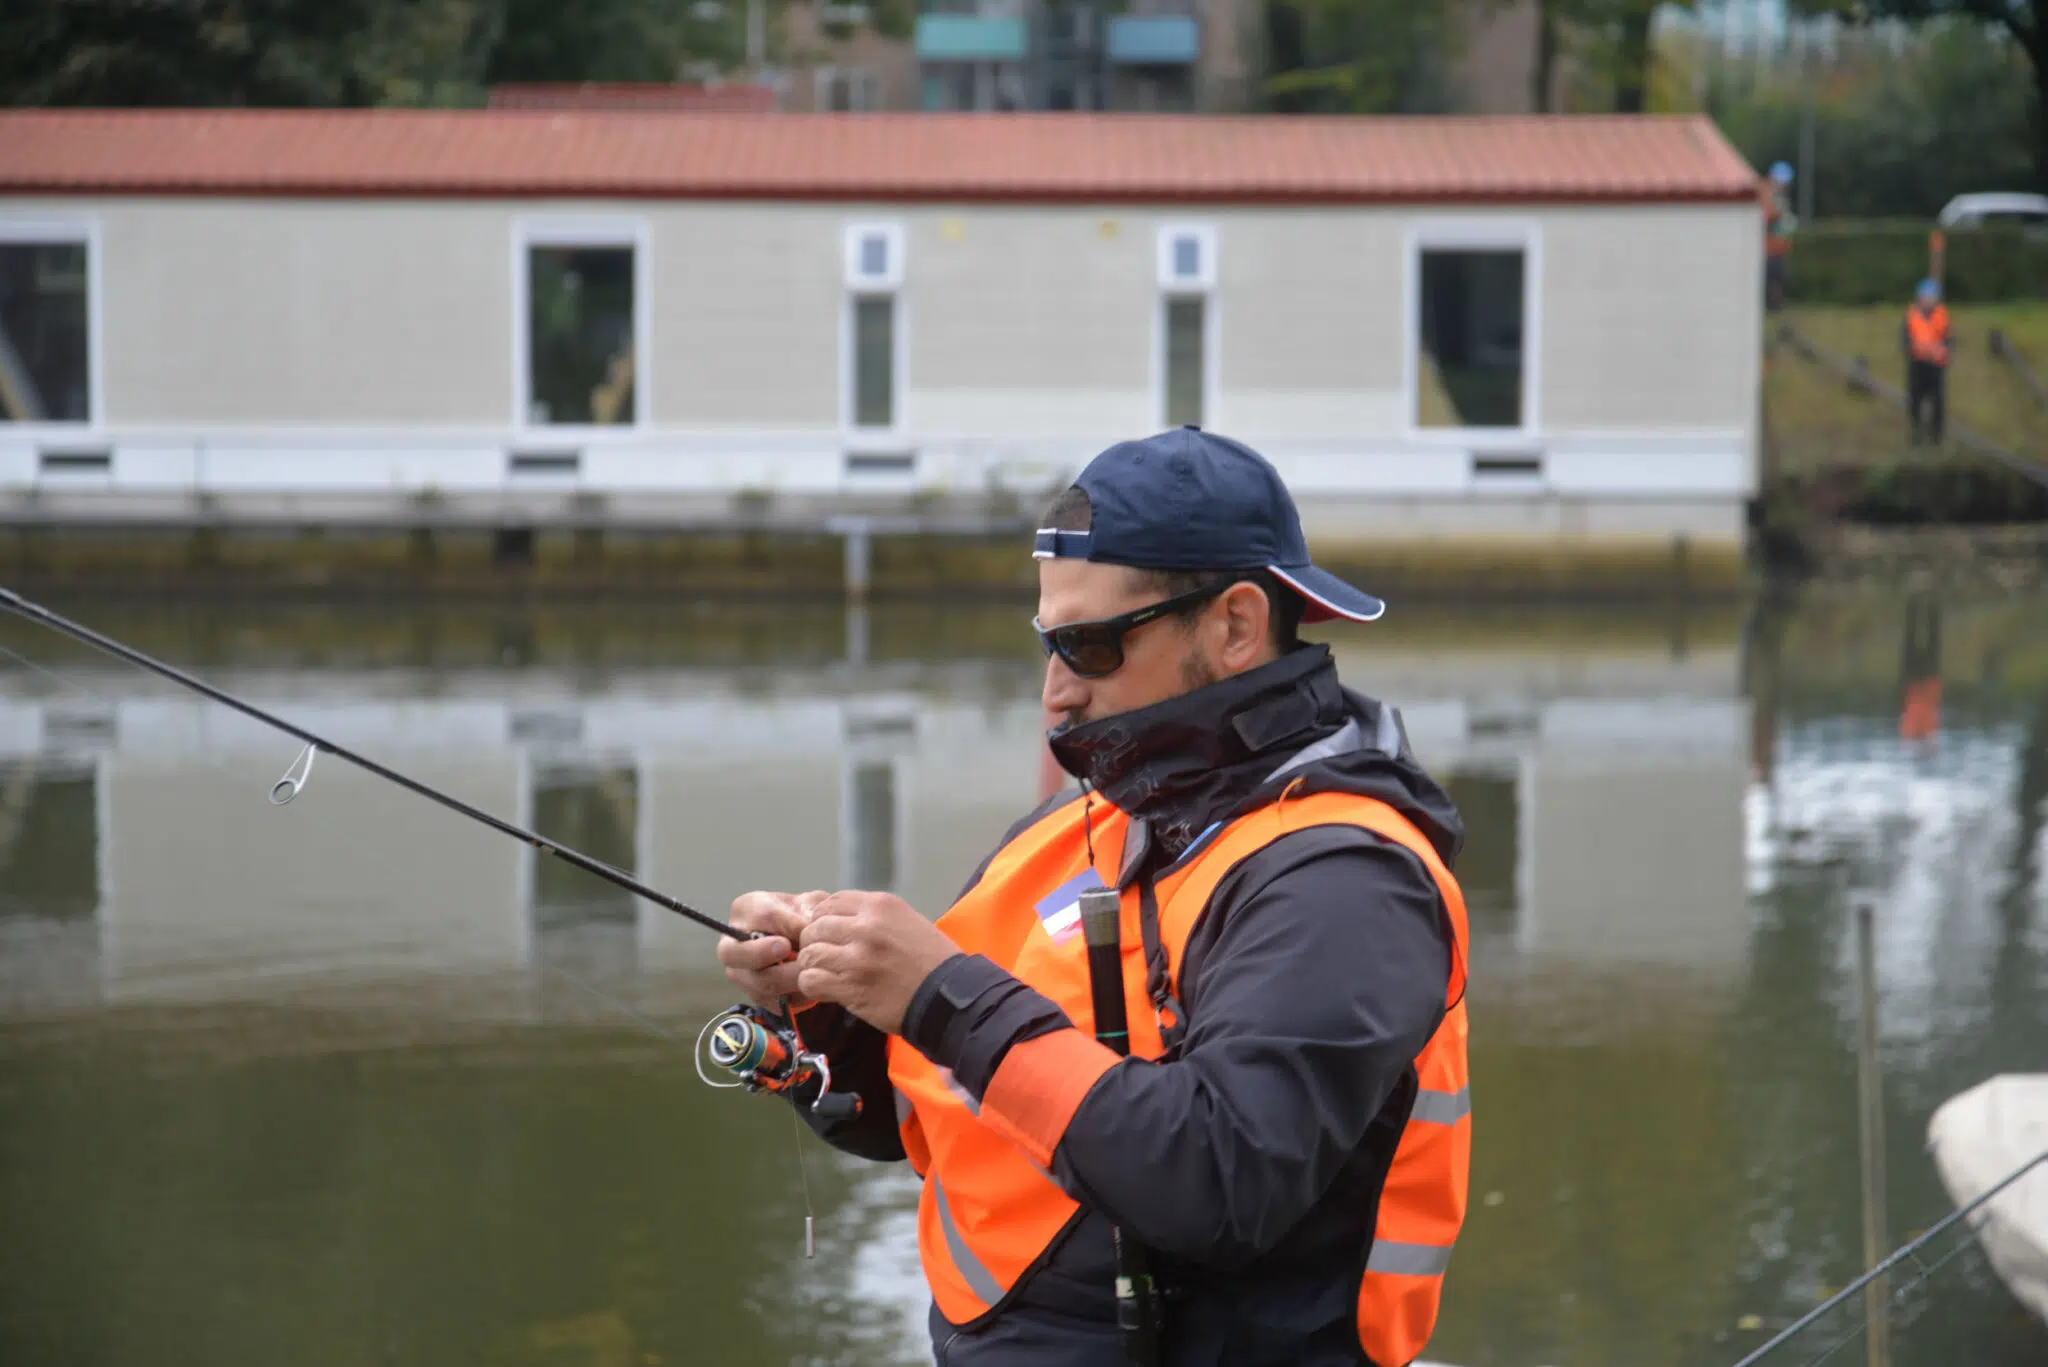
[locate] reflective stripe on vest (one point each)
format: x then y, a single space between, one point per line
988 1212
1927 334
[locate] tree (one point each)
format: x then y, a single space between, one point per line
1611 43
1355 57
225 52
2026 21
348 52
1892 135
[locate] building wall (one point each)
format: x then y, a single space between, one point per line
371 346
746 316
289 312
1029 322
1649 323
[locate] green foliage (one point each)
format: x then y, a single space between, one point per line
1354 57
1613 59
1954 115
145 52
1880 262
2024 21
354 52
614 40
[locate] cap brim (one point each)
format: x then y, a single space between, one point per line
1330 597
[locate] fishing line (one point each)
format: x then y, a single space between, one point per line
53 676
293 782
1892 1301
764 1051
1909 1249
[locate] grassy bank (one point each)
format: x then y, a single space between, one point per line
1814 420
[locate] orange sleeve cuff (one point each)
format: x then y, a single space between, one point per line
1039 1086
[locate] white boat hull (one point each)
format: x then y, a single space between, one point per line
1979 1138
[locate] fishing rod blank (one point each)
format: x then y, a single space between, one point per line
1904 1250
286 788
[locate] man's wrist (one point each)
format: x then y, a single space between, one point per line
967 1013
939 1010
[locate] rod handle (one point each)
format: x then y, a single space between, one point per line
1101 917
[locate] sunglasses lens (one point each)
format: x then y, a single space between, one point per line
1091 653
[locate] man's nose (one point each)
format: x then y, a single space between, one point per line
1063 691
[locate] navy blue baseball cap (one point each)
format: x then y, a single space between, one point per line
1189 499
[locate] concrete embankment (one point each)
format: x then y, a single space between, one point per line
801 562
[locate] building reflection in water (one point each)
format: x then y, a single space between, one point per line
1657 824
1603 795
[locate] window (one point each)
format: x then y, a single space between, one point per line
45 325
1488 867
583 342
49 842
874 275
1187 258
973 85
581 923
874 823
1470 336
872 860
594 811
874 362
1186 273
846 90
1184 357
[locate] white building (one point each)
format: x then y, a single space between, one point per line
1483 327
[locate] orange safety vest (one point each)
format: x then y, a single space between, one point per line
990 1210
1927 334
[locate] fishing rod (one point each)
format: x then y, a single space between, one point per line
1904 1250
294 780
764 1050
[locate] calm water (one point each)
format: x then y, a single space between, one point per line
333 1083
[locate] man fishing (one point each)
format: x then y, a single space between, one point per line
1278 1169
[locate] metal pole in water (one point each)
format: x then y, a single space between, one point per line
1870 1129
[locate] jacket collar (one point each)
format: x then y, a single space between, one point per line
1178 765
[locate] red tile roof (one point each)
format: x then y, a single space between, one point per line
729 97
955 157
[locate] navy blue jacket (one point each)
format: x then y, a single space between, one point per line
1251 1163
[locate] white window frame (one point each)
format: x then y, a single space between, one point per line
889 284
1171 288
581 231
891 279
1474 234
69 229
1205 279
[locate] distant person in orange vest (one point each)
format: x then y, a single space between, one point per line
1779 223
1290 1136
1927 342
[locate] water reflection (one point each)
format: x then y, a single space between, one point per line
375 1028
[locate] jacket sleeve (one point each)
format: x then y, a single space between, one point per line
859 1055
1325 978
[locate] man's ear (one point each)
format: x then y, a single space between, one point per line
1247 618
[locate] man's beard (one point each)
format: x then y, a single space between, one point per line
1195 672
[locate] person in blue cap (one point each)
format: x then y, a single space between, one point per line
1927 343
1779 224
1288 1139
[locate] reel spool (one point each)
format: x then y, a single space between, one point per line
766 1054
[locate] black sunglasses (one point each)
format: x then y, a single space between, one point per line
1094 650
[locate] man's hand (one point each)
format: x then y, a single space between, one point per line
868 951
765 969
